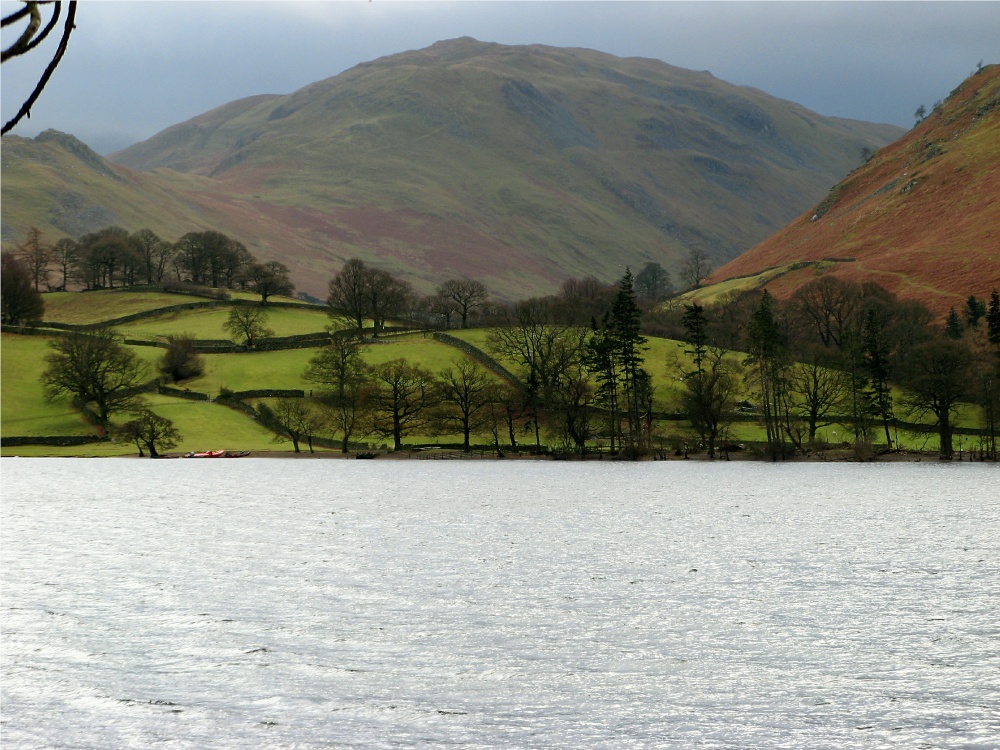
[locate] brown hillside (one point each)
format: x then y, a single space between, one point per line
921 218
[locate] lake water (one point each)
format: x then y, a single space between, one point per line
366 604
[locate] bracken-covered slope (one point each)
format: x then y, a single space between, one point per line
921 218
520 166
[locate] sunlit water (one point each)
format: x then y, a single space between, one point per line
318 604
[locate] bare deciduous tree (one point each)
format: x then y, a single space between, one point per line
346 381
464 391
151 430
181 360
292 419
269 279
466 294
401 399
21 303
358 292
936 377
36 255
248 324
696 267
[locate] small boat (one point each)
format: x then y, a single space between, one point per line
208 454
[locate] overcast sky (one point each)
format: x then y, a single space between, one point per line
135 68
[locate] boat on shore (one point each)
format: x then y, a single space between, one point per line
217 454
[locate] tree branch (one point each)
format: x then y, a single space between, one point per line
25 110
21 45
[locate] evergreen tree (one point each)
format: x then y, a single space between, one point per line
993 319
623 329
614 357
953 325
975 309
875 350
695 324
768 357
600 360
853 363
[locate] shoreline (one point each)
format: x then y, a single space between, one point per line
840 456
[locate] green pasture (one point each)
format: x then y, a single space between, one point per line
106 304
207 323
415 348
203 426
283 369
24 410
210 426
709 295
247 371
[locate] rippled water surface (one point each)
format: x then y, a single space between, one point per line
309 604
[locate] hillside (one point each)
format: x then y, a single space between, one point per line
921 218
520 166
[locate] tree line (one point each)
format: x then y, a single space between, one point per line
112 257
835 353
839 352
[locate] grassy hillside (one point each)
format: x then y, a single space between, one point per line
920 218
519 166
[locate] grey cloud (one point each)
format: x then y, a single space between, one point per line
135 68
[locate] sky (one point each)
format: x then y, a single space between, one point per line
134 68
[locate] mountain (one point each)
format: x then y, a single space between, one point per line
60 185
921 218
519 166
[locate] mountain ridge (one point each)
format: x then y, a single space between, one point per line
519 165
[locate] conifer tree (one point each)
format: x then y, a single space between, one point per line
975 309
768 357
603 365
875 351
953 325
993 319
626 340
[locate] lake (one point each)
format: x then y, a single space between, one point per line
268 603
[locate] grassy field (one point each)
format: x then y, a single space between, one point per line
24 410
713 293
108 304
95 307
417 349
203 426
208 323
